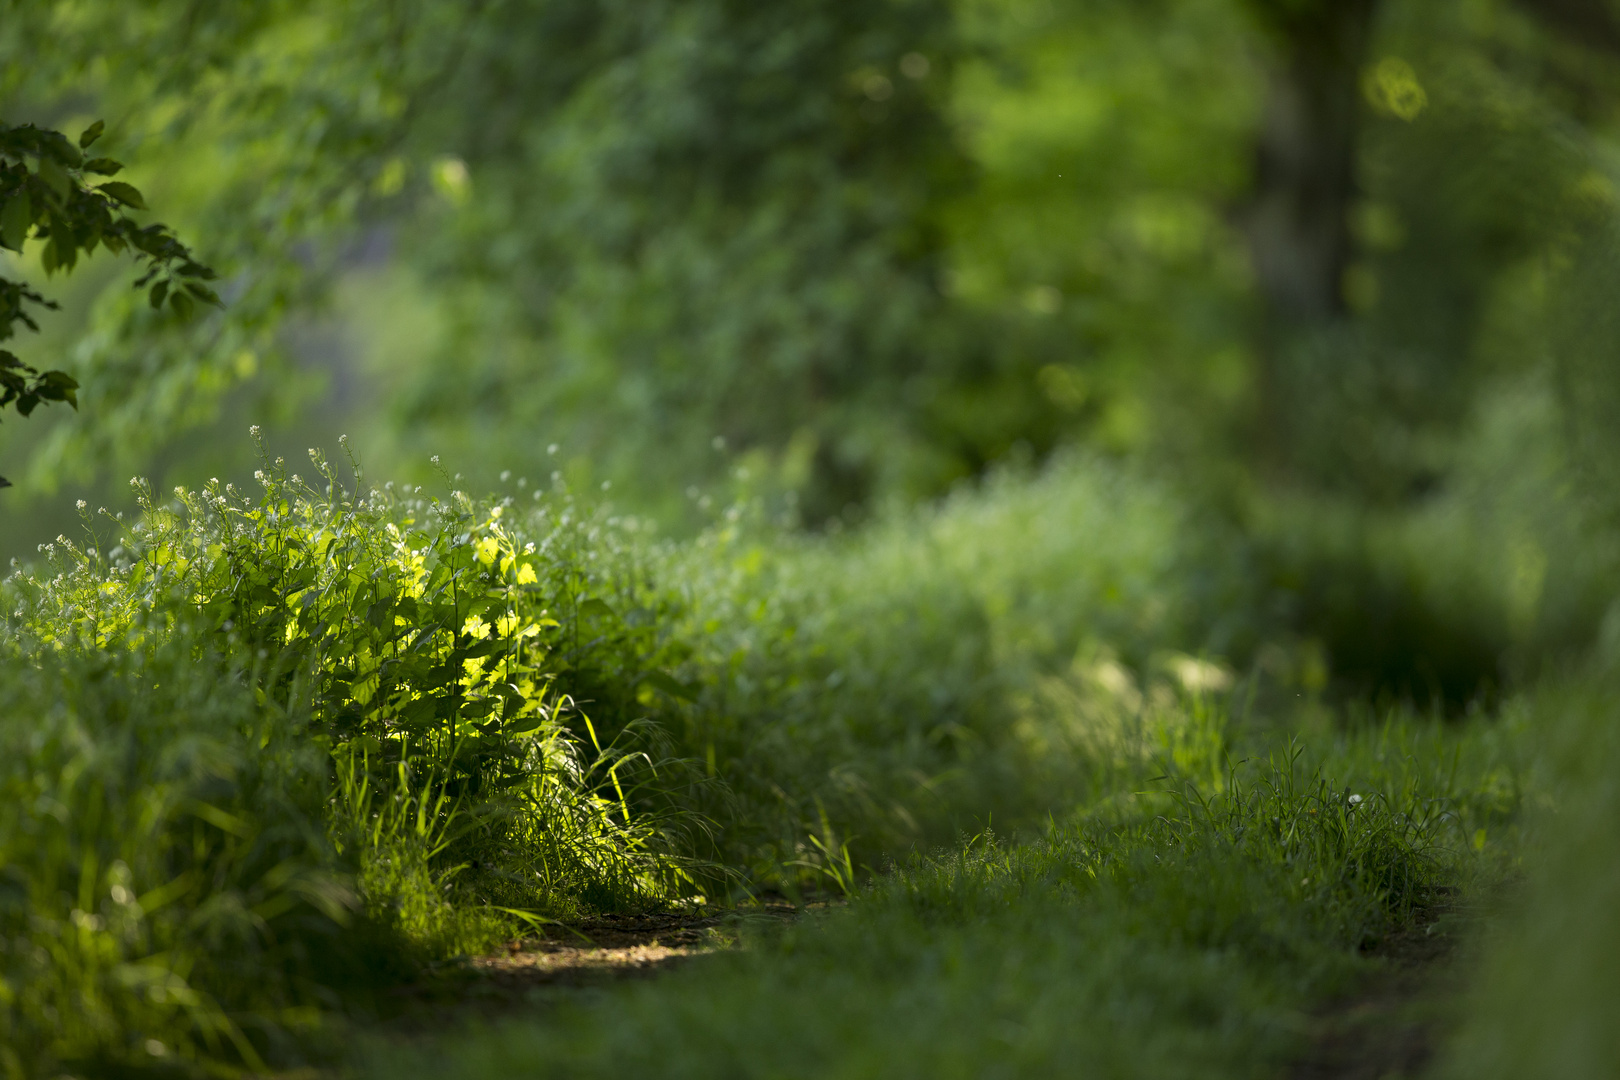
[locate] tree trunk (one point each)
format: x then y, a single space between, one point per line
1297 220
1297 224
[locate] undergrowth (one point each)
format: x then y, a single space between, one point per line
267 753
409 662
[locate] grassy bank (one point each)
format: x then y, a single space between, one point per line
273 753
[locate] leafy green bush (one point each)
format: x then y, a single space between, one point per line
254 723
424 640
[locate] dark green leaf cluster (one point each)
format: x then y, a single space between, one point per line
45 196
54 202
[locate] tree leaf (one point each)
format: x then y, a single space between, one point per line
102 166
204 293
159 291
91 133
124 193
56 177
60 253
59 386
15 219
55 146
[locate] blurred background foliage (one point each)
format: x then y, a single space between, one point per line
1143 340
1338 272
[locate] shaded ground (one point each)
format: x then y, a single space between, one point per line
534 971
1391 1026
1387 1029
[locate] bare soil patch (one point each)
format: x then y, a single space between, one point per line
612 948
536 971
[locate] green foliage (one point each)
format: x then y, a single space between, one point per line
679 223
557 673
422 638
711 220
478 716
829 257
54 202
893 681
245 784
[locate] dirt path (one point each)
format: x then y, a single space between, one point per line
1390 1028
534 971
610 948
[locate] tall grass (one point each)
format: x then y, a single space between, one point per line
1543 1001
259 749
431 642
1175 936
167 892
739 699
479 715
888 682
